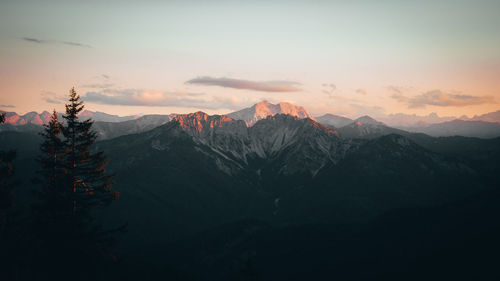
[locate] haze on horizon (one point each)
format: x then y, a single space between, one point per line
344 57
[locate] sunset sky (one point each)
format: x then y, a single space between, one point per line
343 57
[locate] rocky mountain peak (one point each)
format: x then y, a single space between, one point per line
264 109
367 120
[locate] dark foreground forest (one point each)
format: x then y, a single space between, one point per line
208 198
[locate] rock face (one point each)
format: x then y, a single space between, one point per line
293 145
204 126
263 109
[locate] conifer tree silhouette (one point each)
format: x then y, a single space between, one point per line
85 170
51 161
74 183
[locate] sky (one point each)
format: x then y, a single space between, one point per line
350 58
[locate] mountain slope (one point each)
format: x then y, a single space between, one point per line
295 145
367 127
109 130
105 117
29 127
333 120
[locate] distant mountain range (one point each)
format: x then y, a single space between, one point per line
413 120
488 117
44 117
109 130
111 126
28 118
480 129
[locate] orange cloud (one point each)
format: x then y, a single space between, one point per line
268 86
156 98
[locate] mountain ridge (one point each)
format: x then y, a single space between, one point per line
43 118
111 126
336 121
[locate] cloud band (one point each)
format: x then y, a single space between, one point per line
269 86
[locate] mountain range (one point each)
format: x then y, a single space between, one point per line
413 120
481 129
284 197
111 126
263 109
213 169
44 117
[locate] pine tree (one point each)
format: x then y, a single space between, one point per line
85 170
51 161
53 210
74 183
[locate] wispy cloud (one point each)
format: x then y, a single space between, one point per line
142 97
51 97
397 89
329 89
34 40
42 41
74 44
98 85
440 98
266 86
400 97
7 106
